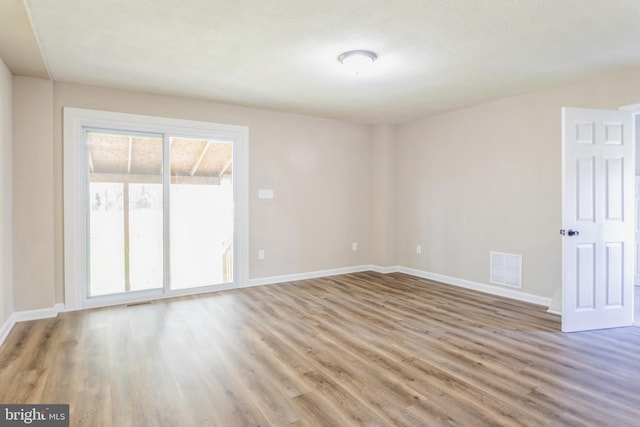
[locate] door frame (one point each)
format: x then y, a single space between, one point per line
75 198
595 312
635 112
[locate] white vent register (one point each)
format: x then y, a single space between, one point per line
505 269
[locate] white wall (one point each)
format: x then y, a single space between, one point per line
318 168
6 191
488 178
33 268
460 184
383 194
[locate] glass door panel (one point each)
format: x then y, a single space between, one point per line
106 247
201 206
125 212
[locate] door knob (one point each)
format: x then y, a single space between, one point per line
570 232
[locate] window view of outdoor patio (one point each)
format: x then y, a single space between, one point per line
127 213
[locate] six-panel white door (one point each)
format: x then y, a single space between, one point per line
598 220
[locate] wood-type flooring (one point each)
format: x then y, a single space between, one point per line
358 349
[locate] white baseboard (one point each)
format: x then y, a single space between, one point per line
43 313
5 329
304 276
385 270
23 316
481 287
556 312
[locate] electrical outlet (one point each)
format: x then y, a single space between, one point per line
419 249
261 254
354 246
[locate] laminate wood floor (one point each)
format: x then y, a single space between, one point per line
358 349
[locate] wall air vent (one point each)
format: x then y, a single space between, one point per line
505 269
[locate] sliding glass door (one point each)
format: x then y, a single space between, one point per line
201 226
160 212
125 206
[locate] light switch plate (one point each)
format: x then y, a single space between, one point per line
265 194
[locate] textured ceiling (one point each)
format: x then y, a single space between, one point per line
433 55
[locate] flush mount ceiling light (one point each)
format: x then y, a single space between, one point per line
357 60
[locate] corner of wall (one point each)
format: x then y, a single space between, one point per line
6 196
383 191
32 228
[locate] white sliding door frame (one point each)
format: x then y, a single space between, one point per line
76 120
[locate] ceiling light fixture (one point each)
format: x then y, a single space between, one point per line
357 60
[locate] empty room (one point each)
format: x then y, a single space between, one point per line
319 213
